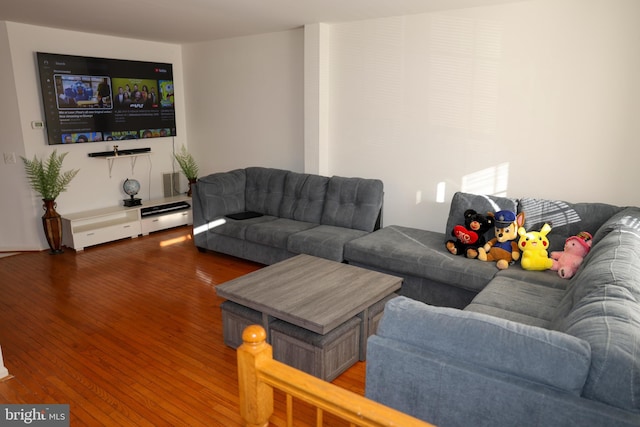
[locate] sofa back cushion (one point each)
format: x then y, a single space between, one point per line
303 198
352 203
480 203
566 219
221 193
535 354
602 307
264 190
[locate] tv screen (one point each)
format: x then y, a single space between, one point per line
97 99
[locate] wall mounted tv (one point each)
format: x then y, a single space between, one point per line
97 99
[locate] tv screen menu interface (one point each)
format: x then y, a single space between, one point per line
96 99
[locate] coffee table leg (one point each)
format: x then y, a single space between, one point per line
364 333
370 318
265 324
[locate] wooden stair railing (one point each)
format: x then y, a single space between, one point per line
259 374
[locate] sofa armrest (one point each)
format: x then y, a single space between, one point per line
219 194
535 354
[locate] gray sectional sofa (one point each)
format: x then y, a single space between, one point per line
465 343
524 348
298 213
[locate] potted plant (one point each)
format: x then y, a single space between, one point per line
48 180
188 165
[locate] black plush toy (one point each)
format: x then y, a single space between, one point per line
470 236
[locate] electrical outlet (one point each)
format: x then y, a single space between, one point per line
10 158
418 197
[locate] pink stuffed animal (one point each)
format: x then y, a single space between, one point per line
575 249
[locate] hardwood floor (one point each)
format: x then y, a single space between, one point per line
128 333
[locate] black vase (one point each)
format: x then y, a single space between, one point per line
52 224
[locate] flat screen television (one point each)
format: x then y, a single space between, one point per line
90 99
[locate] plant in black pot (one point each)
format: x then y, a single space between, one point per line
48 180
188 165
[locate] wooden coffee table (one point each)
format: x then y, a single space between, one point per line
301 302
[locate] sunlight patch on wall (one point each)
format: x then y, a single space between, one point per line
493 181
441 190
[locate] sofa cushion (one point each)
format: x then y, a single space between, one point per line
303 198
609 320
352 203
518 300
238 228
221 193
480 203
548 278
325 241
447 392
566 219
536 354
275 233
419 253
264 190
602 306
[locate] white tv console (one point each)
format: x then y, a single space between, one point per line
96 226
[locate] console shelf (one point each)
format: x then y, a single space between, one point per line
96 226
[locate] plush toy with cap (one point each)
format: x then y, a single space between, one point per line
503 248
470 236
576 247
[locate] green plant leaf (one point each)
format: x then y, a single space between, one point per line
187 163
46 177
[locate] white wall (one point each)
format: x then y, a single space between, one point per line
549 89
16 230
92 187
245 101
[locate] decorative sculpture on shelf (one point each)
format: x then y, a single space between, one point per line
131 187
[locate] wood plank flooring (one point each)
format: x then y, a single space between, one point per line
128 333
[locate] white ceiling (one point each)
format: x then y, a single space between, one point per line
185 21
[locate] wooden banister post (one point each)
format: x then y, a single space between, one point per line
256 397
